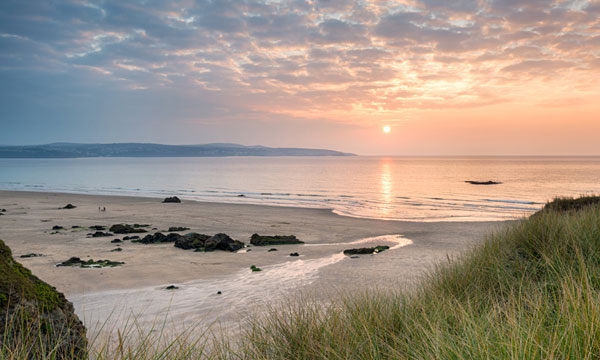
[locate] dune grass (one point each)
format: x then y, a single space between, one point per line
530 291
131 341
139 343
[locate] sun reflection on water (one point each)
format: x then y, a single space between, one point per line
387 189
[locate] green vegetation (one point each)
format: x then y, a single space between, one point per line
36 321
28 334
530 291
16 280
571 204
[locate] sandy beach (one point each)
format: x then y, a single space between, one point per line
216 286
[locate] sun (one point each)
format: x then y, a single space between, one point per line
387 129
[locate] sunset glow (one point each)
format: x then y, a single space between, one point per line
469 77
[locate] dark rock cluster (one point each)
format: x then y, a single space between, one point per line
178 228
194 241
264 240
91 263
30 255
127 229
366 250
100 234
191 241
222 242
172 199
157 238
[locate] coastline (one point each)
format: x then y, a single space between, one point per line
139 285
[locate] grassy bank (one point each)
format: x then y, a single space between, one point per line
531 291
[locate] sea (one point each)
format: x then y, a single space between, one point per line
389 188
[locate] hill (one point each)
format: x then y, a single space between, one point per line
71 150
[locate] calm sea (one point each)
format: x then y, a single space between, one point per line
423 189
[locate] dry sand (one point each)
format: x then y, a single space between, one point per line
114 296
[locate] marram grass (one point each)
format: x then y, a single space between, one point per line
530 291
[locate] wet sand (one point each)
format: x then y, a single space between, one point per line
137 288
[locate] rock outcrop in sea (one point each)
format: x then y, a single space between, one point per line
35 318
477 182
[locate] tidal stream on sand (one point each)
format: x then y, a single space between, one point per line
225 300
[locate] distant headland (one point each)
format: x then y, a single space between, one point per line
72 150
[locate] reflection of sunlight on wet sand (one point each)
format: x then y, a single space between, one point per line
225 300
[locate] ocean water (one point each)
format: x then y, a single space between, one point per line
401 188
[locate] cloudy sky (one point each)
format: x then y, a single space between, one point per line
450 77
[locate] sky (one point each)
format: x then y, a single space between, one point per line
462 77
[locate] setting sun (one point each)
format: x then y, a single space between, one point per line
387 129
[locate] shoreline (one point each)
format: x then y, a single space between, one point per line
336 211
139 284
250 198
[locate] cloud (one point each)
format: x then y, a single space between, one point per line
538 66
224 16
464 6
336 31
344 61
